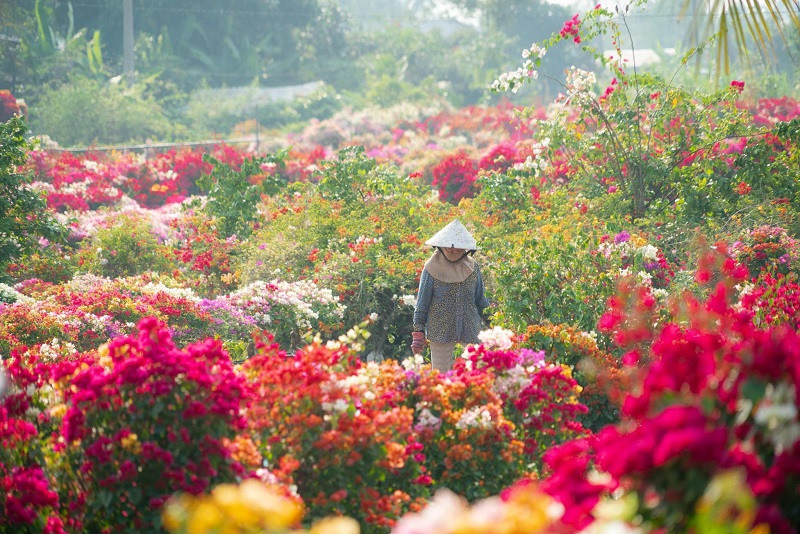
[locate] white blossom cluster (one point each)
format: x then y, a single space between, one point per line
55 350
336 407
535 163
777 413
85 282
9 295
259 297
476 417
406 300
363 380
413 363
581 81
497 338
427 420
512 381
535 51
177 292
513 80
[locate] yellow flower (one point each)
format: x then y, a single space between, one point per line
276 511
176 511
638 241
131 443
58 411
205 518
104 357
227 498
336 525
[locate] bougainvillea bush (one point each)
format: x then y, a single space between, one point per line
713 393
119 430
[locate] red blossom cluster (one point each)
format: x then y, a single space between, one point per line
775 300
10 106
473 119
455 177
571 29
28 501
91 180
164 415
710 387
737 86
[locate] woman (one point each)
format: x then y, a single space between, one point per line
451 297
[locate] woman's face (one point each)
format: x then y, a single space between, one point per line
453 254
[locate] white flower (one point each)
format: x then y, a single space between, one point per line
408 300
497 337
474 417
414 362
428 420
437 516
511 381
648 252
777 412
338 406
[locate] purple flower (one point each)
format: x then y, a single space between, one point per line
621 237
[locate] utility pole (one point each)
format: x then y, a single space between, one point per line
127 40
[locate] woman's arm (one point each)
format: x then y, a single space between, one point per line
480 293
423 301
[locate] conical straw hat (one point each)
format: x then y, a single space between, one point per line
453 235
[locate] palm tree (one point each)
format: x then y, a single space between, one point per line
748 20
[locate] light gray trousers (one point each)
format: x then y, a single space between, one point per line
442 356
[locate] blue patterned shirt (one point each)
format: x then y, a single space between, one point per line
450 312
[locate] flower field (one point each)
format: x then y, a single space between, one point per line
220 339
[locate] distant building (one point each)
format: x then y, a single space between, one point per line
261 95
640 57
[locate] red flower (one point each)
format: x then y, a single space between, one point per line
743 188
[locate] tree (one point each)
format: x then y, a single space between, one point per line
219 42
748 21
24 219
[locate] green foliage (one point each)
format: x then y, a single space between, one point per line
50 264
233 194
24 218
126 248
86 112
657 147
358 233
232 46
355 177
218 111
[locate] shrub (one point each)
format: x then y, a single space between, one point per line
337 430
234 191
30 502
85 112
24 218
126 247
148 419
598 373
